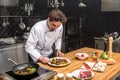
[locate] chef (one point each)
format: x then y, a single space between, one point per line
44 34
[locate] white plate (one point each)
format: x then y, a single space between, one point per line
91 64
78 55
68 62
100 66
77 72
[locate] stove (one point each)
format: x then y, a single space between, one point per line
41 74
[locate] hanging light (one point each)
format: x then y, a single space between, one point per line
81 4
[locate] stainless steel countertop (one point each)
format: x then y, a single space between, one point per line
11 46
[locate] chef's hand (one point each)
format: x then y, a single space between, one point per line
59 53
44 59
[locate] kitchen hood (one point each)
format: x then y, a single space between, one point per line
9 2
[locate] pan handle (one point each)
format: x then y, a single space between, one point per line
11 60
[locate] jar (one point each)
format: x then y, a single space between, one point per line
94 57
69 76
60 76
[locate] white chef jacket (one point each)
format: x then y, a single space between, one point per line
41 39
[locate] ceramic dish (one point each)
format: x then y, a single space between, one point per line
59 61
110 61
100 66
81 56
79 74
90 64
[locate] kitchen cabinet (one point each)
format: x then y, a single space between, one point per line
10 51
71 35
101 43
22 56
13 52
16 52
70 45
5 65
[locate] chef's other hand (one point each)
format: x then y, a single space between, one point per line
44 59
59 53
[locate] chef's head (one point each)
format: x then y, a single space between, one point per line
55 18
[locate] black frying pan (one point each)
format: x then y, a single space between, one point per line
22 67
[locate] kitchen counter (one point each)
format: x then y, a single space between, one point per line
111 72
10 45
15 52
102 43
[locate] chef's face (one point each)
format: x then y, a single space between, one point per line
53 25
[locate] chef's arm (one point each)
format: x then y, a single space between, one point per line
31 43
58 41
58 44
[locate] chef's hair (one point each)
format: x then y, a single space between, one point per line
57 15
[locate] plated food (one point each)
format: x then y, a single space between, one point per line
59 61
104 57
100 66
81 56
109 61
87 65
83 74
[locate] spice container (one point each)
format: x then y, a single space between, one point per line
60 76
94 55
69 76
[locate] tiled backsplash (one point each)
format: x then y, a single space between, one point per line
11 14
13 28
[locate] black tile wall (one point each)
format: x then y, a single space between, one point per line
95 22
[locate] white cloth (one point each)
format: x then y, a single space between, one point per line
41 39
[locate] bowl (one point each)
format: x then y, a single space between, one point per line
81 56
